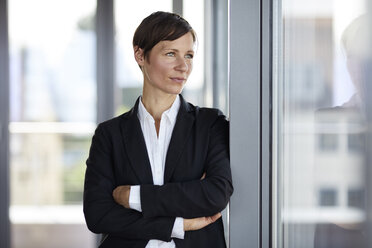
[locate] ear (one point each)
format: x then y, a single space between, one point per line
139 56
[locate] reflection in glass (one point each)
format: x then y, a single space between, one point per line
328 142
321 116
355 198
327 197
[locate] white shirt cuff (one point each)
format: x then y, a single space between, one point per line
135 197
177 231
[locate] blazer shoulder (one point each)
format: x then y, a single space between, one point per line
112 124
210 113
209 117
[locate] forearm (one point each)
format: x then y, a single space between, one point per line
130 225
129 197
198 198
188 199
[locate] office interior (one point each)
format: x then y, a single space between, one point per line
292 77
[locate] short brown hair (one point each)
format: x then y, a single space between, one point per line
160 26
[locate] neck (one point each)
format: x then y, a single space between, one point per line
156 104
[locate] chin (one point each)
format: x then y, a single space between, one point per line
175 91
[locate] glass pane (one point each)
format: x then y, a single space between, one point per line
53 114
128 15
193 12
320 123
47 168
47 172
52 60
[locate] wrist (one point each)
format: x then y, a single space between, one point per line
186 224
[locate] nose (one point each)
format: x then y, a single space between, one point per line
182 65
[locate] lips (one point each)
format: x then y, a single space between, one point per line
178 79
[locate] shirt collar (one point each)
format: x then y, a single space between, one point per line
142 111
171 113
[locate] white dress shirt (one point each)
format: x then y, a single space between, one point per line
157 147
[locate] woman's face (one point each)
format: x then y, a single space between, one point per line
168 65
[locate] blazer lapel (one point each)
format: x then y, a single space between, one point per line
180 134
136 147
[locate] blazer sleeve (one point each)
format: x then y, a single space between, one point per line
199 197
102 213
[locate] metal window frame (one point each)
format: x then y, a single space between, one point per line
266 122
368 142
251 122
177 7
105 35
4 123
216 54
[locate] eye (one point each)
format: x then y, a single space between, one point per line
170 54
189 56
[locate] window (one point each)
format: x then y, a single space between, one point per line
355 142
52 119
327 197
355 198
320 49
328 142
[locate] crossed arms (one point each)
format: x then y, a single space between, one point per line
198 201
121 196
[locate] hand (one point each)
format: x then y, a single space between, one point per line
121 195
199 223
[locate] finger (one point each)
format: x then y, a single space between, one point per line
204 174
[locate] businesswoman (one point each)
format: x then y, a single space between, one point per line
159 175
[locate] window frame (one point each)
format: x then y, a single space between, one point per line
4 122
251 150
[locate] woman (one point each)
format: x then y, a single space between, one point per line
159 175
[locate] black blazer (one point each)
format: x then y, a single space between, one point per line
118 156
